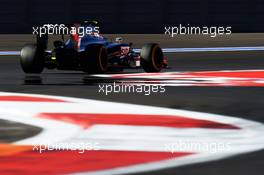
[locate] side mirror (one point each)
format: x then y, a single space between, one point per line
119 39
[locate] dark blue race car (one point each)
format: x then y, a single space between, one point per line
91 53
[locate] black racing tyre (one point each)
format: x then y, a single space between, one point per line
95 59
151 57
32 59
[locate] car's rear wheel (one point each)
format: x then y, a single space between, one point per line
151 57
32 59
95 59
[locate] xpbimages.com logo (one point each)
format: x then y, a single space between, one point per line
62 29
211 31
146 89
78 147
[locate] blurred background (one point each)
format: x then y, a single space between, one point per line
132 16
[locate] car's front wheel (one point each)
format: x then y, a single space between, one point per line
151 57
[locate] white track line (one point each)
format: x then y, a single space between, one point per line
175 50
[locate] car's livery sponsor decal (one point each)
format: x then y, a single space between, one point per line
128 138
202 78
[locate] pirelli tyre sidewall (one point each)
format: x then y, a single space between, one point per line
151 57
95 59
32 59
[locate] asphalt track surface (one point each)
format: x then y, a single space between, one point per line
243 102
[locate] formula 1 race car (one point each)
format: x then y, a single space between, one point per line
91 53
